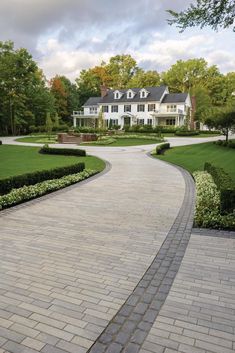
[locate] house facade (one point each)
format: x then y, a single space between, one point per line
142 106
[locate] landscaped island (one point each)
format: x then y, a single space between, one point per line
28 174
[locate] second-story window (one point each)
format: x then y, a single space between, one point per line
114 109
93 110
151 107
127 108
171 108
105 108
140 108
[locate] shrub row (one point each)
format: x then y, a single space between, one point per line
161 148
89 130
225 185
63 151
186 133
150 128
210 132
25 193
207 211
229 143
15 182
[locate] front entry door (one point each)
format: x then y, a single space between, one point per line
127 121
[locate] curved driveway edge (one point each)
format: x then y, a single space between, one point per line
129 328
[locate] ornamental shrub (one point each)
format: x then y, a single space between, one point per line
207 211
0 142
63 151
226 186
18 181
160 149
25 193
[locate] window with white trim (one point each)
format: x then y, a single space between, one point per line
171 108
127 108
140 121
114 121
114 108
93 110
105 108
150 122
151 107
170 121
140 108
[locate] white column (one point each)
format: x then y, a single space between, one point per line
74 122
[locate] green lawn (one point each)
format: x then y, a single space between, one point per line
122 142
193 157
38 139
15 160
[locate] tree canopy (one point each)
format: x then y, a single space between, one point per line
27 99
214 13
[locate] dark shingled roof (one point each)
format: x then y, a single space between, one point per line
155 94
92 101
175 98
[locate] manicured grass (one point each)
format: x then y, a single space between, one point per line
193 157
15 160
38 139
126 142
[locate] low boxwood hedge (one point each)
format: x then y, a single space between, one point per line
186 133
226 186
18 181
160 149
26 193
63 151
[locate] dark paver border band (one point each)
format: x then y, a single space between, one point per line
108 167
217 233
128 329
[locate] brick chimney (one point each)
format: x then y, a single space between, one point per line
192 122
103 90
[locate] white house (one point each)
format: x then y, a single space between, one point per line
151 105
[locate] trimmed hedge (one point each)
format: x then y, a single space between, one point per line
225 185
207 212
63 151
26 193
161 148
150 129
18 181
209 132
186 133
0 142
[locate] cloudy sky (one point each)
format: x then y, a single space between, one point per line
65 36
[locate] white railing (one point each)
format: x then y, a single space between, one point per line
82 114
165 111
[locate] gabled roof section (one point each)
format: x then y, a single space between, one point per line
155 95
92 101
175 98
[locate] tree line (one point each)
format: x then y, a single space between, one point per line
28 100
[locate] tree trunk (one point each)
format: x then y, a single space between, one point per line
227 130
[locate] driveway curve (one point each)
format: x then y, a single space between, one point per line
70 261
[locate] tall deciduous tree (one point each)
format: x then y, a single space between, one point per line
144 79
213 13
17 71
58 90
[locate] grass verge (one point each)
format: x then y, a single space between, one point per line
193 157
15 160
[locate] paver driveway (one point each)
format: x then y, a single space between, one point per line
70 261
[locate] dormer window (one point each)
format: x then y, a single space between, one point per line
117 95
130 94
143 93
